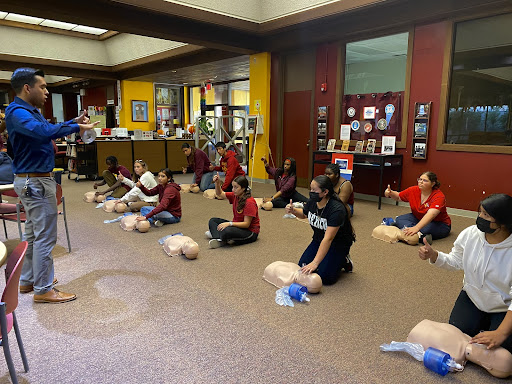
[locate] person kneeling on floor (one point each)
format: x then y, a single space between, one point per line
246 223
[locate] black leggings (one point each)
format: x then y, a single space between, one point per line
281 202
237 235
470 320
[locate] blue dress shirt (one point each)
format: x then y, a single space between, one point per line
31 137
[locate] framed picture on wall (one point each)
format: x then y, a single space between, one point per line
139 110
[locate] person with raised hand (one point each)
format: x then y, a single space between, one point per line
245 225
428 215
483 309
285 179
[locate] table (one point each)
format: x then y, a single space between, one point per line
364 160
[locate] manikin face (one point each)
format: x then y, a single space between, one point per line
237 189
221 151
186 151
37 94
162 178
287 165
138 168
424 183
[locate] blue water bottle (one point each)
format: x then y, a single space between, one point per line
436 360
298 292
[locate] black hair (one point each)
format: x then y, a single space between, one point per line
499 207
325 184
220 144
334 168
244 184
22 76
191 159
433 178
293 168
112 160
167 173
185 145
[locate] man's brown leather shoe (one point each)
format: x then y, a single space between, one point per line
54 296
30 287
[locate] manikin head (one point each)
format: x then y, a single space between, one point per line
142 226
30 85
121 207
100 198
89 197
282 273
221 148
267 206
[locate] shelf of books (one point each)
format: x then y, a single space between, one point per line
421 124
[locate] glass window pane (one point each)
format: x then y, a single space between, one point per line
481 83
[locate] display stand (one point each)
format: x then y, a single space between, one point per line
420 133
321 132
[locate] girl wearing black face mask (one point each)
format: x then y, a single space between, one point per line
483 309
328 252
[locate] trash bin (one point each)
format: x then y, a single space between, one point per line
57 174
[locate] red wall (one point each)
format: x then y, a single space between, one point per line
95 97
326 66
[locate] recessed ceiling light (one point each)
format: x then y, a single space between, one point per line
2 15
174 71
58 24
185 83
23 18
91 30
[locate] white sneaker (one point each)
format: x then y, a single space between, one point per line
208 234
216 243
159 223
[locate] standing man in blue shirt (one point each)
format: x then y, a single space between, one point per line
31 138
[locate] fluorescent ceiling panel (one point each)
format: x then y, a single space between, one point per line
23 18
58 24
90 30
2 15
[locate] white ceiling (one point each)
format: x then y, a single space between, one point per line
377 49
50 79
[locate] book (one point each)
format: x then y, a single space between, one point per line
359 146
420 129
370 147
331 144
388 145
345 145
420 150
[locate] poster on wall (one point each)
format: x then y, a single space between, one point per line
345 132
345 162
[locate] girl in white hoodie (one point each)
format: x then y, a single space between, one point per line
134 198
483 309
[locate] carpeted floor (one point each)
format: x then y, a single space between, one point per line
144 317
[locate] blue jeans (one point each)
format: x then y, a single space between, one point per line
437 229
206 181
40 231
164 216
330 267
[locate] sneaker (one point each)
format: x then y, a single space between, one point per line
216 243
208 234
349 266
428 236
159 223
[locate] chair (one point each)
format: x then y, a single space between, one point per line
20 216
59 155
7 306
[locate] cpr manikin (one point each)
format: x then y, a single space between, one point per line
392 234
195 189
185 188
450 339
267 206
283 273
89 197
100 198
121 207
129 223
181 245
210 194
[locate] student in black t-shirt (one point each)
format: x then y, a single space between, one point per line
333 235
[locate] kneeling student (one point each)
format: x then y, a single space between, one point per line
245 226
168 211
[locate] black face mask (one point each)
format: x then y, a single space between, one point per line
484 225
314 196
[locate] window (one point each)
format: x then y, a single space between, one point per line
481 83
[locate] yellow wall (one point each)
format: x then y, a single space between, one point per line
136 90
239 97
259 75
186 106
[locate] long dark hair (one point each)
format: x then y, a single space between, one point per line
167 173
244 184
499 206
191 159
325 184
433 178
293 168
334 168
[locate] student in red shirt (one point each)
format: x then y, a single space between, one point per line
168 211
110 179
245 226
428 206
228 164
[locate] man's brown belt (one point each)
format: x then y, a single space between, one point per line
47 174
